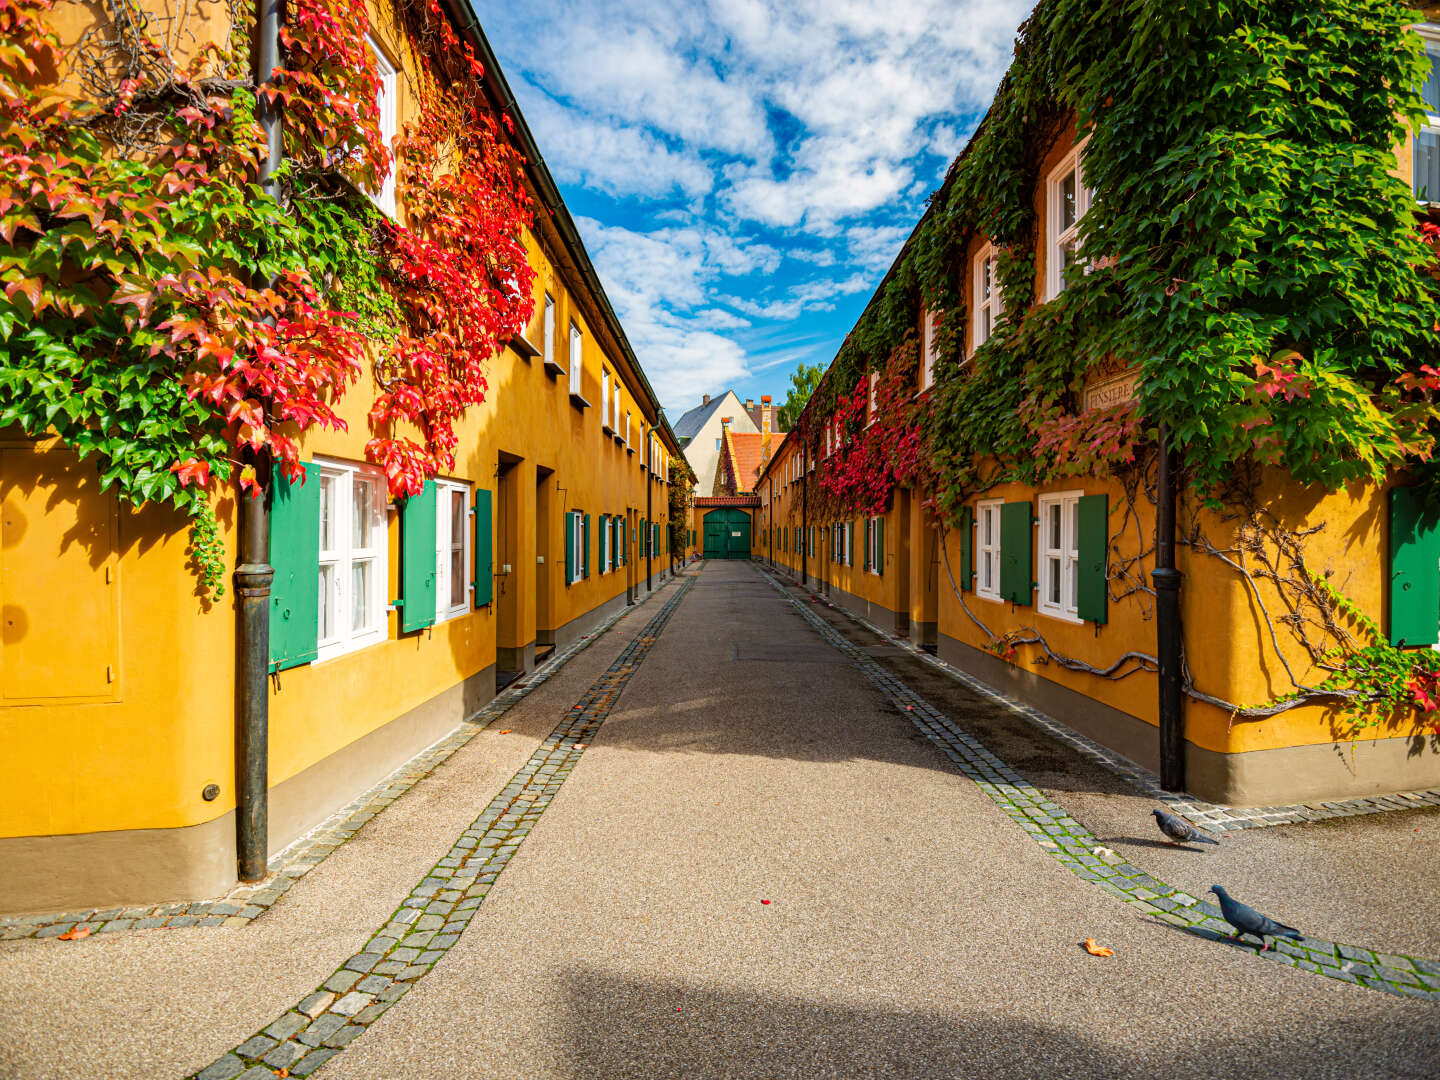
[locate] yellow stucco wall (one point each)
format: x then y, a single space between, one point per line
137 752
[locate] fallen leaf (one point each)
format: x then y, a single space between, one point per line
1097 950
764 901
84 932
505 732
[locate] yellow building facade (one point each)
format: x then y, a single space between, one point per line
1045 593
391 622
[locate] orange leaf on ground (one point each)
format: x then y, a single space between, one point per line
505 732
76 934
1097 950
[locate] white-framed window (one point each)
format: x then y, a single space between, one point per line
1068 199
827 440
842 544
927 349
577 366
605 399
577 546
387 100
452 549
1426 177
547 348
989 303
870 407
352 558
616 411
627 429
1059 555
604 543
874 556
987 549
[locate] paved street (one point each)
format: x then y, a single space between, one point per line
726 753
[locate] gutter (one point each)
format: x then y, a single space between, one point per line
467 20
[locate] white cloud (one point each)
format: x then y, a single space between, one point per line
809 296
875 246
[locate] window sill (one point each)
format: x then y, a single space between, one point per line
606 428
630 450
336 649
994 598
1059 616
453 613
618 437
578 400
552 367
522 345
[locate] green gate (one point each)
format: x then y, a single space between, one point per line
727 534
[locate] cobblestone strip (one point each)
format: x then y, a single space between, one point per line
1216 817
245 903
1074 847
440 907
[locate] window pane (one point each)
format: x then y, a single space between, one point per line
1053 566
457 578
1054 542
327 513
1430 91
360 594
457 519
1427 166
985 324
1072 599
360 514
1067 201
327 601
985 280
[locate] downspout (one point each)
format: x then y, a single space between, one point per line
649 520
1167 625
804 514
253 572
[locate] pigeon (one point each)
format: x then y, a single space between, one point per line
1177 828
1247 920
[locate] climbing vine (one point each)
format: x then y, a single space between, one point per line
1262 334
164 315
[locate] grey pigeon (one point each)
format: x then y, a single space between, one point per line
1177 828
1247 920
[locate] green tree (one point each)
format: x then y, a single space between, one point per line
803 381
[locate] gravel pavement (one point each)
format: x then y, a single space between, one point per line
912 929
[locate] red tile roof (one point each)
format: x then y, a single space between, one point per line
727 500
745 455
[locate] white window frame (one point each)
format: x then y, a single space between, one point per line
1058 557
605 399
445 548
927 349
987 548
548 346
603 554
989 302
627 429
616 411
577 357
872 555
1062 239
577 548
1430 32
342 556
870 405
387 100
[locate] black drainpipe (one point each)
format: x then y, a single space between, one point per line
804 516
1167 625
253 573
649 516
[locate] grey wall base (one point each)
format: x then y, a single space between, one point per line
149 866
1283 776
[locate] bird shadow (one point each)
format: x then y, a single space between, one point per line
1244 944
1194 849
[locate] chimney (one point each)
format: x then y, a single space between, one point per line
705 401
725 421
749 404
765 416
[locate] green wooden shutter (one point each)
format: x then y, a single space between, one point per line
585 546
967 548
295 554
569 547
484 584
640 536
850 543
1017 539
1092 538
880 546
417 559
1414 570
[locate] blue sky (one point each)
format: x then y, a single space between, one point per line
744 172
